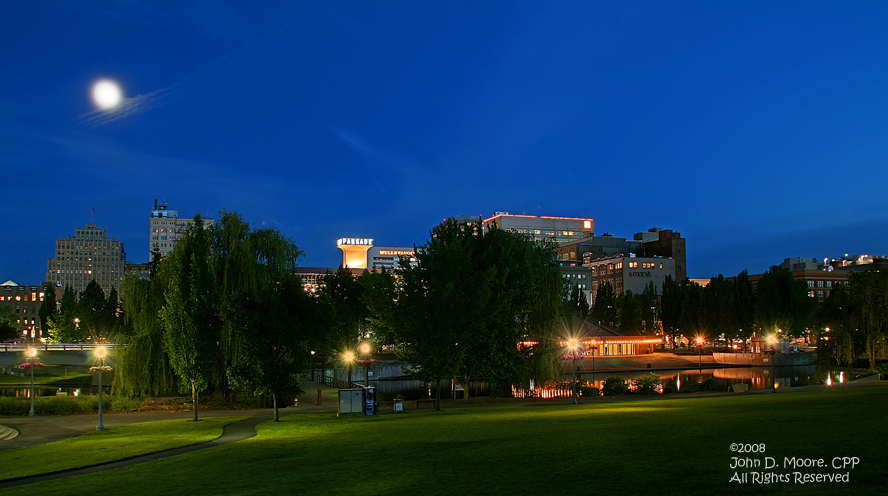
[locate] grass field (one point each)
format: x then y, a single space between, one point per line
671 446
116 443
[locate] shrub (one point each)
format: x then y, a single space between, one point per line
647 384
66 405
589 392
121 404
614 386
712 384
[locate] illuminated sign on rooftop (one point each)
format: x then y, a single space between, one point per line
355 241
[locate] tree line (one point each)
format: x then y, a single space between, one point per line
225 312
87 316
855 313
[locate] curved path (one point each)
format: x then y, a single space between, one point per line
237 431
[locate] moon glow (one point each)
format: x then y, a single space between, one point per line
106 94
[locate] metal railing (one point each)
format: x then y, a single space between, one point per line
19 347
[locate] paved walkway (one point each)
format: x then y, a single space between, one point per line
44 429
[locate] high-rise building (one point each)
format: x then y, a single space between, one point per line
89 254
165 228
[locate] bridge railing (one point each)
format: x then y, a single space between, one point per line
20 347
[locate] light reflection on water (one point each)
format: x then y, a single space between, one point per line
755 377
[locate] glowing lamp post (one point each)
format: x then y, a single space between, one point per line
700 351
773 352
349 357
573 345
366 361
31 355
100 352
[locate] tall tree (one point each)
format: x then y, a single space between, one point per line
781 303
744 305
8 325
90 308
650 304
718 314
65 327
342 296
629 312
273 319
143 365
604 309
191 323
670 309
869 291
283 320
691 300
48 308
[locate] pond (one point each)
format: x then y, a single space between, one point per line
755 377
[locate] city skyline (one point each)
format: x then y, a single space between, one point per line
756 131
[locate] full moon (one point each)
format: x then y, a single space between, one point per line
106 94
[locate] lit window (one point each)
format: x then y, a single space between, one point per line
633 265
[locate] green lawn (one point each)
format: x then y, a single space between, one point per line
672 446
116 443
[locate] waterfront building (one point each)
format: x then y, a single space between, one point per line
628 273
655 243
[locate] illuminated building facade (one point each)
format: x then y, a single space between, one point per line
359 253
25 303
560 229
165 228
89 254
655 243
629 273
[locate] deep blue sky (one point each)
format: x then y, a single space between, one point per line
759 130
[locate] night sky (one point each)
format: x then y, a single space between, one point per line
759 130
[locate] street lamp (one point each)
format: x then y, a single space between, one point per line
349 357
594 347
773 352
100 352
700 350
31 355
366 360
573 345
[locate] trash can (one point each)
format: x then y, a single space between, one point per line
399 405
369 400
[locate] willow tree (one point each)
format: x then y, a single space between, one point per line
143 366
869 290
